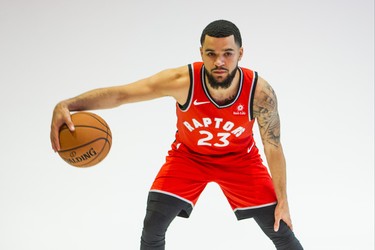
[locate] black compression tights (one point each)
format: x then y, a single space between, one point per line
158 217
284 239
157 221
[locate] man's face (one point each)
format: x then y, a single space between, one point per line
220 57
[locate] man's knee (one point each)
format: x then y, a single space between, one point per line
284 239
155 226
161 211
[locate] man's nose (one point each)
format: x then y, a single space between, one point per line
219 62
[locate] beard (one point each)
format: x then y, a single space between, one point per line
224 84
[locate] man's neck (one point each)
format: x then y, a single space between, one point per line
224 96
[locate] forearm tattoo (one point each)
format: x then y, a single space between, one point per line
265 110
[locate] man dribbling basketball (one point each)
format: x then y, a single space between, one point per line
217 104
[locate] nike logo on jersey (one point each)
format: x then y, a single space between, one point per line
196 103
249 149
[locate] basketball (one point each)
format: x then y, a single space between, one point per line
89 144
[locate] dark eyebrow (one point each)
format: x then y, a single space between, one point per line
226 50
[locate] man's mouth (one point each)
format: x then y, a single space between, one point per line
219 71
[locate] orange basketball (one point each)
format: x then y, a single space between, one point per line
89 144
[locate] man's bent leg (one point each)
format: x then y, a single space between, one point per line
154 229
161 211
284 239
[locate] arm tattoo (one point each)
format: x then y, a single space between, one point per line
265 109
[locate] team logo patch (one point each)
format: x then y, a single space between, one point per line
239 110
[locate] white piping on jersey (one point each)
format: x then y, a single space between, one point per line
254 207
190 101
251 94
171 194
203 80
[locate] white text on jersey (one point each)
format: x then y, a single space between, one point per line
217 123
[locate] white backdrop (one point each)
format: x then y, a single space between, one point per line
318 55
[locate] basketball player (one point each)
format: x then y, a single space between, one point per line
217 104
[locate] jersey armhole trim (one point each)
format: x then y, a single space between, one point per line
187 103
252 93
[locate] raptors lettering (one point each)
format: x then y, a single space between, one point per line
216 123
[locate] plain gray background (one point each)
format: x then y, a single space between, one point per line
318 55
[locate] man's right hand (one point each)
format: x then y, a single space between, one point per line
61 116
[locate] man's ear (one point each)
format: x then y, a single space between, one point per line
241 53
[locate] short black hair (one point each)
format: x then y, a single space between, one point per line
222 28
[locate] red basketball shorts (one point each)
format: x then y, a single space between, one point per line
244 179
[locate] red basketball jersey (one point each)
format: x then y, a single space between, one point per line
208 128
214 143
